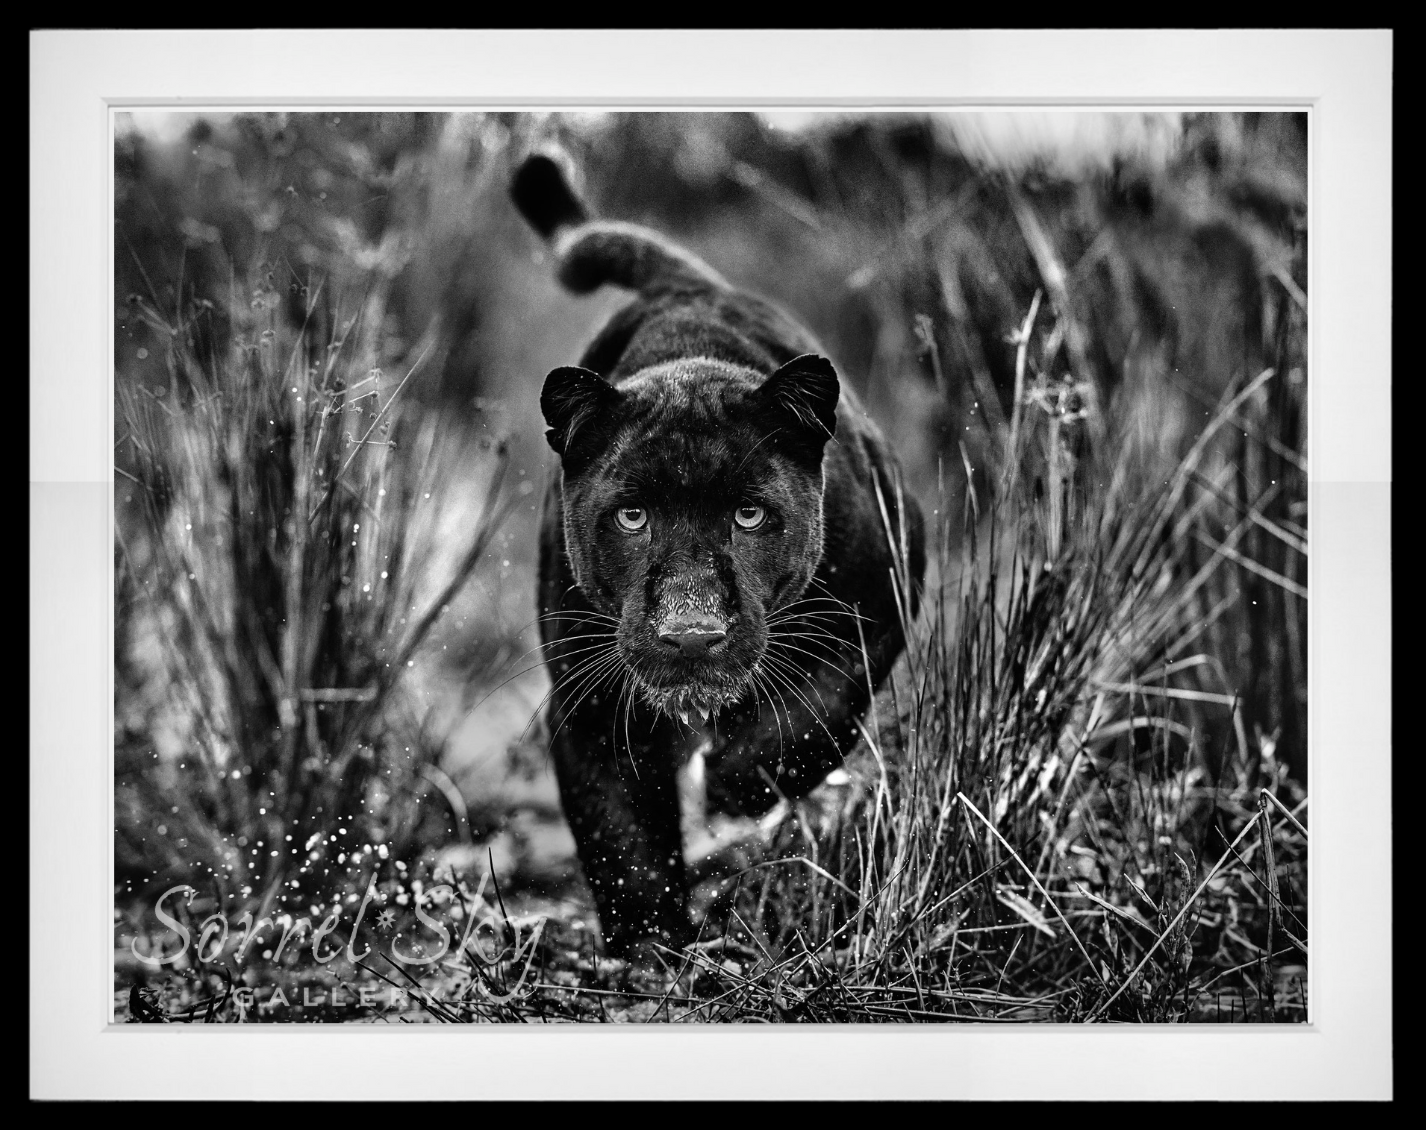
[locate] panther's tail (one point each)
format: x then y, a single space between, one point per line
592 252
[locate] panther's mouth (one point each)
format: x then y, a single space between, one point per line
690 701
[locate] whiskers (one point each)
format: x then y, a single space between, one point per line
810 660
823 611
600 664
598 657
574 685
801 646
795 679
545 653
806 626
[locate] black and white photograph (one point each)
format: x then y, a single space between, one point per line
701 568
793 564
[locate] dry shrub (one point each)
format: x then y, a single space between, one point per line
290 532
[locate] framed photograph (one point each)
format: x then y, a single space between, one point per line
524 553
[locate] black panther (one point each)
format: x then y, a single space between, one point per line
726 557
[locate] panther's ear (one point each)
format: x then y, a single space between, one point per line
804 394
576 402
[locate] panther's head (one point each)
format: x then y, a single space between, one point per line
692 499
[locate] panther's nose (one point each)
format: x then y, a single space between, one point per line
694 636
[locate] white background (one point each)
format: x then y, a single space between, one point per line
1345 77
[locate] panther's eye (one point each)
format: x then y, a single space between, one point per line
632 518
750 517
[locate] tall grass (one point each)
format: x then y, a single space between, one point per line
291 529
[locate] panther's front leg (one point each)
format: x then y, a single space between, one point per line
616 766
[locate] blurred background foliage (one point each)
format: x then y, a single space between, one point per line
859 224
